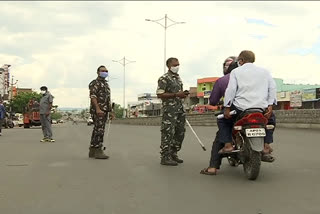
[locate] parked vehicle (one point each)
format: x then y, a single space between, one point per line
19 117
54 122
32 115
248 141
89 121
8 123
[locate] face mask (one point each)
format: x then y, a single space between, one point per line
174 69
103 74
42 92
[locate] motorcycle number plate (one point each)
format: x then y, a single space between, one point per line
258 132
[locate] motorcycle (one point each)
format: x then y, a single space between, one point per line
248 135
8 123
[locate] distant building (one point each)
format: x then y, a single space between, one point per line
303 96
204 88
147 105
192 99
292 87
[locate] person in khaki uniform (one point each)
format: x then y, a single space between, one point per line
45 114
170 90
100 109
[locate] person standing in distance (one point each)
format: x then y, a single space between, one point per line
45 114
2 115
100 109
170 91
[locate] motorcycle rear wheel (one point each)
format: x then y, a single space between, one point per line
252 164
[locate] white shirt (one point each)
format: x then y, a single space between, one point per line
250 87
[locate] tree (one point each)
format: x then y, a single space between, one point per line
118 110
19 102
84 113
56 116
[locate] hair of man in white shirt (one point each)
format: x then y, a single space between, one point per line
246 57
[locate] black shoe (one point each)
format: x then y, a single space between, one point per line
99 154
92 152
177 159
167 161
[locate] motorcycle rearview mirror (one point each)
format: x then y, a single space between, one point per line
113 106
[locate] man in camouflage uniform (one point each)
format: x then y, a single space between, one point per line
170 90
100 109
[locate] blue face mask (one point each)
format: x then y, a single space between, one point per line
103 74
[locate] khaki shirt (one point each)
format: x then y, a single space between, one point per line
45 101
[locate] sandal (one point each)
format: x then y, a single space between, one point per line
206 172
267 158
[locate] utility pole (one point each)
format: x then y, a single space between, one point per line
124 62
165 26
11 92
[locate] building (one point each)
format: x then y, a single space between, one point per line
4 82
292 87
204 88
147 105
191 100
16 91
290 96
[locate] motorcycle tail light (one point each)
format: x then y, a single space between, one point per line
253 120
237 128
255 126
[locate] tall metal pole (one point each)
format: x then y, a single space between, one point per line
165 42
124 62
11 91
124 87
165 26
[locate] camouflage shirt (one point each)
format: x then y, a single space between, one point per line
171 83
99 88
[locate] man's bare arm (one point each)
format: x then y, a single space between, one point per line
180 94
96 105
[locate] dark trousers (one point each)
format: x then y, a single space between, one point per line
226 126
98 130
216 158
1 122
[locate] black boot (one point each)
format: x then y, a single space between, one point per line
167 160
99 154
92 151
176 158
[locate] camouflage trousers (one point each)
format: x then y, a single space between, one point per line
98 130
172 133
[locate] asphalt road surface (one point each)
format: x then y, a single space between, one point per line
59 178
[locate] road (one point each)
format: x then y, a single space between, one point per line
58 178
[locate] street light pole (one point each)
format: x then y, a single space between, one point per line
165 26
124 62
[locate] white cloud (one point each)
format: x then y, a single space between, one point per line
66 63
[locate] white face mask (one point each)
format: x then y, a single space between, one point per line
42 92
174 69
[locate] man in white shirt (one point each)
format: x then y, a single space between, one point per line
249 87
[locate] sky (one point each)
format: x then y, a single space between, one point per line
60 44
